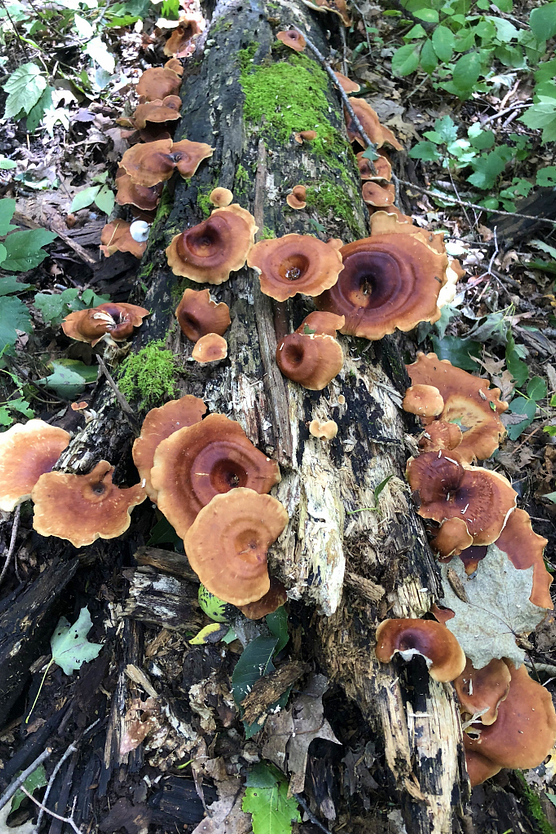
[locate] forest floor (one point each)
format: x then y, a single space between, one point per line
501 324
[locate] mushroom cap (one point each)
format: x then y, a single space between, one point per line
194 464
83 508
129 193
423 400
296 199
209 251
377 133
479 768
305 136
338 7
117 320
444 655
375 194
210 348
221 197
325 431
483 689
227 544
347 85
198 315
159 424
181 42
150 163
388 281
324 324
293 39
159 82
273 599
311 359
525 729
157 111
295 264
440 435
383 167
448 488
188 156
116 237
468 401
27 451
452 538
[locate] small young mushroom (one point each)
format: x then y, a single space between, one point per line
221 197
432 640
310 357
110 321
83 508
423 400
27 451
293 39
227 544
382 167
198 315
305 136
325 431
181 43
297 198
377 133
210 348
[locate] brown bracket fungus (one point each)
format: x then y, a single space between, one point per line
227 544
377 195
448 488
83 508
195 464
295 264
468 401
297 198
152 117
181 43
310 356
481 691
154 162
210 348
305 136
159 424
116 237
273 599
27 451
108 321
440 435
433 641
198 315
382 165
389 281
159 82
423 400
221 197
209 251
347 85
452 538
129 193
377 133
293 39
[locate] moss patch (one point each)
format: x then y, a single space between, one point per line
203 200
149 376
328 197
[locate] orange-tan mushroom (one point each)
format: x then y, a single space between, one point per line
481 691
154 162
181 43
423 400
159 424
273 599
440 435
337 7
108 321
129 193
347 85
432 640
194 464
116 237
27 451
448 488
221 197
305 136
382 167
452 538
210 348
159 82
83 508
309 357
326 430
377 195
198 315
295 264
389 281
297 199
293 39
377 133
208 252
227 544
468 401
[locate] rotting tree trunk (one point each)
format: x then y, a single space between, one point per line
358 568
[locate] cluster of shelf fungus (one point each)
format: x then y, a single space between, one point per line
213 484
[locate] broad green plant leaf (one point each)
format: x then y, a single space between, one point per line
443 42
7 164
36 114
537 388
69 377
551 496
37 779
7 210
543 21
14 316
98 51
542 114
497 610
266 799
24 87
23 249
467 71
514 361
255 662
426 151
10 284
84 198
428 58
518 406
105 200
546 176
405 60
277 622
69 644
458 351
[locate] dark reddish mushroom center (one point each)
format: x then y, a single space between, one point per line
248 547
294 353
371 279
226 474
293 267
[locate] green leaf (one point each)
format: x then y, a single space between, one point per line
489 166
505 31
515 364
7 164
465 40
69 644
505 6
467 70
545 71
10 284
543 21
428 58
24 88
68 378
84 198
84 28
164 533
255 662
37 779
416 32
405 59
519 405
98 51
547 176
14 316
542 114
24 249
551 497
266 799
536 388
7 210
443 42
105 200
426 151
277 622
480 139
446 129
428 15
458 351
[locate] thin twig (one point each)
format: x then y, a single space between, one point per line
343 95
17 783
122 402
11 548
311 816
71 749
68 820
515 106
472 205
